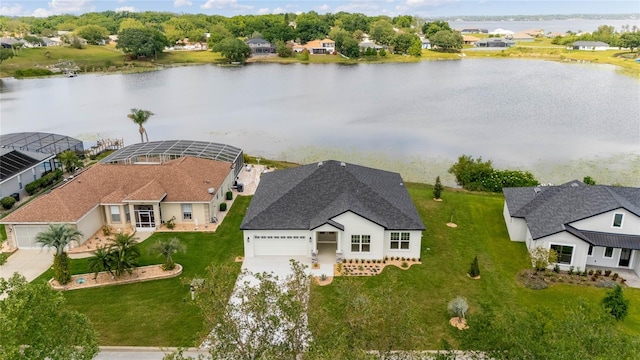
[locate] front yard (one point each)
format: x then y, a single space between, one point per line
405 309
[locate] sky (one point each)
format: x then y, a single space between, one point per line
424 8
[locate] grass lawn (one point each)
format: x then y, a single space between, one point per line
424 291
159 313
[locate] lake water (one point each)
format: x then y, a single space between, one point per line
562 26
561 121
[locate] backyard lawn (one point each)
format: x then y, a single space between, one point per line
406 309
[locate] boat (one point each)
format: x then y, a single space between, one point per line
70 73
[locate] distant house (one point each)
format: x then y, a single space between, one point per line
426 44
334 209
260 46
51 42
494 43
474 31
469 40
520 37
590 45
325 46
367 44
587 225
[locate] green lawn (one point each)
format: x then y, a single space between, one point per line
424 291
159 313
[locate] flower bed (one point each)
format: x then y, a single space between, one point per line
543 279
353 267
144 273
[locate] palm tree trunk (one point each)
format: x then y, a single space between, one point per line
146 135
141 131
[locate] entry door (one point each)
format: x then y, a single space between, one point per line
625 256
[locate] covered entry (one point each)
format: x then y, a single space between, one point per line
145 217
327 242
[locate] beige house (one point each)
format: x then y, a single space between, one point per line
140 196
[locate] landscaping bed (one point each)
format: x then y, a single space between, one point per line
371 267
144 273
542 279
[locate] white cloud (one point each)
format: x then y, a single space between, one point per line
179 3
323 8
14 10
224 4
279 10
263 11
126 9
70 6
40 12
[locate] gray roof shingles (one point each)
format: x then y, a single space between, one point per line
553 207
309 196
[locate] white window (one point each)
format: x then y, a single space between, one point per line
400 240
115 213
186 212
608 252
565 253
360 243
617 220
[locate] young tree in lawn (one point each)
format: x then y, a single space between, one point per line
437 188
167 248
615 303
58 236
458 307
474 270
37 325
541 258
140 117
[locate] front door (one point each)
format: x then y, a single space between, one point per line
625 257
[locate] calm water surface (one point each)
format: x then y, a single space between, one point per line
562 121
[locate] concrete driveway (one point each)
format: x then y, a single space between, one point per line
29 263
278 265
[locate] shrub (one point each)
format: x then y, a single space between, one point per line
474 270
590 272
106 230
542 257
305 55
404 264
223 206
171 223
599 272
323 277
229 195
607 273
556 268
615 303
615 276
32 187
7 202
570 272
31 73
382 52
458 307
3 258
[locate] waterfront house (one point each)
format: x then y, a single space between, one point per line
260 46
590 45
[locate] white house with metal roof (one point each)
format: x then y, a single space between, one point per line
334 208
587 225
590 45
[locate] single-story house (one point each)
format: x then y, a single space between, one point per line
137 195
367 44
587 225
469 39
20 167
521 37
590 45
494 43
332 208
260 46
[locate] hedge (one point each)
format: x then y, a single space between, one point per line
7 202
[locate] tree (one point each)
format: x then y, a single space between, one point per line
102 260
630 40
437 188
233 50
447 40
416 47
311 26
350 48
381 31
70 161
458 307
588 180
541 258
283 50
265 318
469 172
615 303
58 236
5 54
305 55
140 117
141 42
37 325
94 34
124 254
130 23
167 249
474 270
429 29
218 33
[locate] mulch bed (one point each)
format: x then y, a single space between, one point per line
543 279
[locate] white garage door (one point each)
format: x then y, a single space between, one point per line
281 246
26 235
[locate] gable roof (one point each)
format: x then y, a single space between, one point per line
310 196
258 41
185 179
549 209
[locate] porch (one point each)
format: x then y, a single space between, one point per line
633 280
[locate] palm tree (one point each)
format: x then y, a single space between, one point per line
58 236
167 249
101 261
69 159
140 117
124 254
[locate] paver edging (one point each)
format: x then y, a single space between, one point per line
164 275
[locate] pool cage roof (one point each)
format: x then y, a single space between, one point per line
161 151
41 142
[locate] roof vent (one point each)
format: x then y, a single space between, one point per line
574 184
320 164
537 190
343 164
211 190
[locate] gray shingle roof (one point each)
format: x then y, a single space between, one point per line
589 43
596 238
310 196
548 211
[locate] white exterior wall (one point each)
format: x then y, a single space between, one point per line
415 244
580 248
517 227
91 222
278 247
356 225
598 259
12 185
604 223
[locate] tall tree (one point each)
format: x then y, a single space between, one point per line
141 42
94 34
37 325
431 28
58 236
447 40
629 40
140 117
234 50
382 32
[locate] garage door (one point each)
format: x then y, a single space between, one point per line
26 235
282 246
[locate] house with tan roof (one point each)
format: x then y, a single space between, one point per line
139 196
325 46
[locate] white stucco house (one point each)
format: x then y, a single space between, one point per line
20 167
161 182
346 210
586 225
590 45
